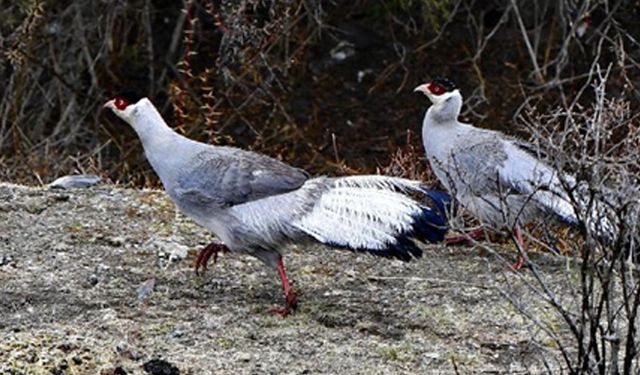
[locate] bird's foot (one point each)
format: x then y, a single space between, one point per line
466 238
290 306
457 240
203 256
518 265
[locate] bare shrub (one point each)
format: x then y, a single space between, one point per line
260 74
597 144
61 61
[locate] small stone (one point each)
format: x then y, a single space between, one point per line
31 357
169 249
76 360
60 247
160 367
432 355
145 290
59 198
128 353
115 241
75 181
93 279
5 260
102 268
63 365
244 357
176 332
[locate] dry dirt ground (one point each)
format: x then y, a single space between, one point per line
76 268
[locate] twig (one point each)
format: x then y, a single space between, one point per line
532 54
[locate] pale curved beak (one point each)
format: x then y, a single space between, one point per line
422 88
110 104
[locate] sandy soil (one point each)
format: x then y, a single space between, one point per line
76 269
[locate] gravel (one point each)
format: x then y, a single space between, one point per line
101 281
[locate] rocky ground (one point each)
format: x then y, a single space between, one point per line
101 281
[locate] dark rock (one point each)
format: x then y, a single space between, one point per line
59 198
63 365
160 367
5 260
61 368
92 279
114 371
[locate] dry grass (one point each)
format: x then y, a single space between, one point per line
261 76
70 277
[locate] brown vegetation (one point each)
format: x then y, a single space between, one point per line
292 79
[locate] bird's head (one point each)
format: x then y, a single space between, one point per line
124 105
438 90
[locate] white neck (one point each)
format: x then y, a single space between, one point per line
439 125
161 144
149 124
445 109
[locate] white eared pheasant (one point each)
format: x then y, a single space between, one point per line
255 204
496 177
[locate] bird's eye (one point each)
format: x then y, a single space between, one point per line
436 89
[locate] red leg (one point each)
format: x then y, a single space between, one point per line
206 253
476 234
518 234
289 294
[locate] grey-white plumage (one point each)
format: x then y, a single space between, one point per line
255 204
496 177
492 177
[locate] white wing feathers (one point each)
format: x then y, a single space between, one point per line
368 213
359 218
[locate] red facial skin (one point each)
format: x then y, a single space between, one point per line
120 103
436 89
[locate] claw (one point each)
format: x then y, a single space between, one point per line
205 254
290 306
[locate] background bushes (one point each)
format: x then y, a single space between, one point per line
325 85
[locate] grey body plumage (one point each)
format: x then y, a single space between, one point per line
256 204
498 178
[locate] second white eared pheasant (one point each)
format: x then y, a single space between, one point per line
255 204
497 178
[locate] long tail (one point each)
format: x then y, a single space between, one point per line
375 214
579 205
598 213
